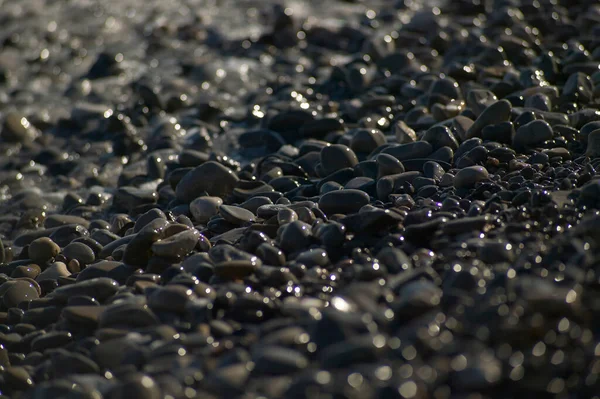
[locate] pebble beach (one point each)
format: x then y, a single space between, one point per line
386 199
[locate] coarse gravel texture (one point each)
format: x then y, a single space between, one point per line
305 199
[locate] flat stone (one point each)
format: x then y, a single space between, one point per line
177 245
236 214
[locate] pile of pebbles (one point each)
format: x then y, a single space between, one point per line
342 199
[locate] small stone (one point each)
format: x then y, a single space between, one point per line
236 215
177 245
80 252
236 269
495 113
343 201
210 177
203 208
336 157
593 146
53 272
388 165
16 291
532 134
469 176
42 249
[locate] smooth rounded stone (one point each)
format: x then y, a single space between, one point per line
62 220
433 170
210 177
104 237
313 257
593 146
236 269
51 340
416 298
85 316
403 152
16 128
531 134
236 215
336 157
440 136
254 203
270 254
495 113
503 132
55 271
359 183
366 140
128 198
43 249
471 224
469 176
343 201
79 251
443 155
147 217
204 208
394 259
294 236
136 386
137 252
177 245
63 235
329 187
461 125
478 100
82 300
30 271
16 291
388 165
17 378
586 130
276 360
389 184
42 317
171 298
403 133
268 211
99 288
286 216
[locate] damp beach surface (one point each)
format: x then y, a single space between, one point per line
299 199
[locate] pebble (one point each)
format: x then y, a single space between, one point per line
43 249
210 177
532 134
236 214
309 200
493 114
343 201
177 245
204 208
80 252
593 144
336 157
469 176
14 292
